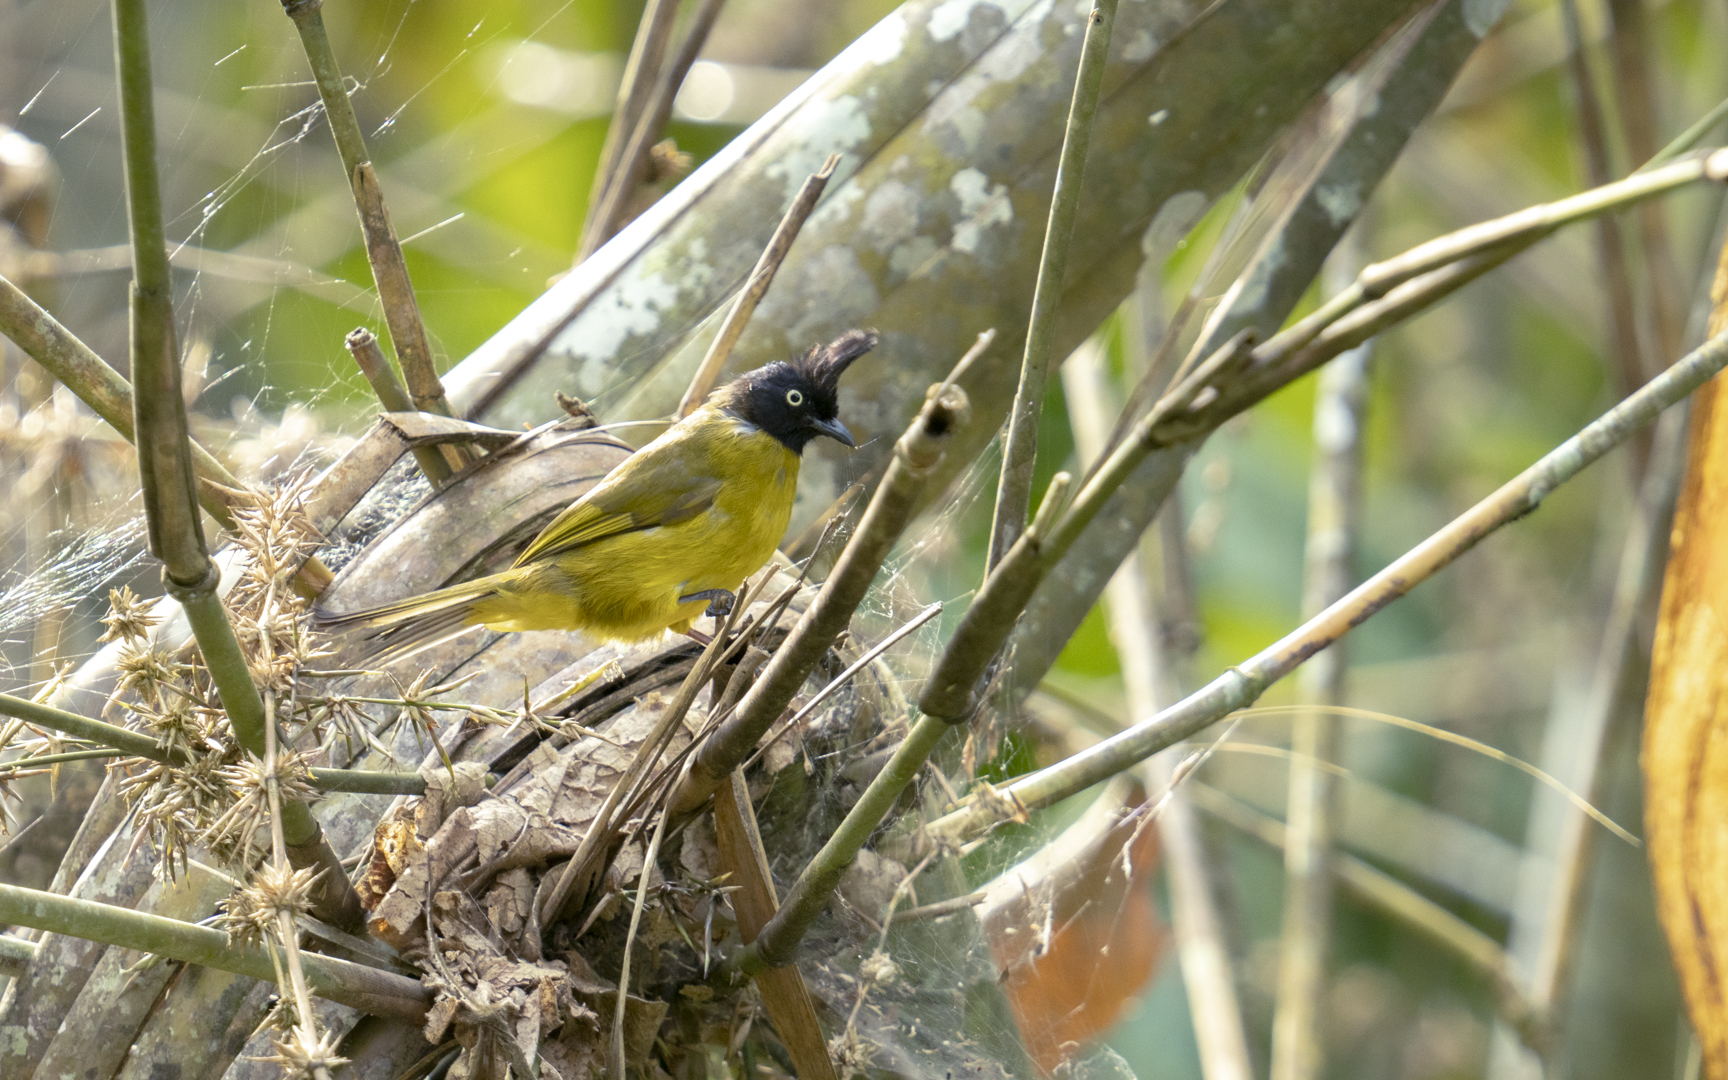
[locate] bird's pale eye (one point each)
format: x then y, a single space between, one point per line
794 398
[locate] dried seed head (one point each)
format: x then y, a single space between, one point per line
877 968
145 670
243 917
303 1053
852 1054
179 727
234 835
284 889
128 617
176 804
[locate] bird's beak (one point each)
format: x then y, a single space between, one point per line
835 430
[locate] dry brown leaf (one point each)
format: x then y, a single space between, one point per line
391 842
1075 933
497 1007
699 855
1685 752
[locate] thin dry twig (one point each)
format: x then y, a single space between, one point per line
1020 447
363 346
756 287
369 989
616 181
383 252
648 863
616 167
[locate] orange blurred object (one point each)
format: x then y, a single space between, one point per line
1075 933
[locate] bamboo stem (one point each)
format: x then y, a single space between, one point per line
1236 376
1298 1048
615 184
756 287
176 533
647 50
1527 225
16 955
15 766
369 989
1150 676
383 252
1020 449
135 744
1241 685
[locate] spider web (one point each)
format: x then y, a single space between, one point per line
270 273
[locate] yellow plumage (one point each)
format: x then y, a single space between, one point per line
595 569
686 518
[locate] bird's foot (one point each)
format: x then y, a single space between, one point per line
719 601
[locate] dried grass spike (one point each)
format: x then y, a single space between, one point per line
128 617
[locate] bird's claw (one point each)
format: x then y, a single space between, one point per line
719 601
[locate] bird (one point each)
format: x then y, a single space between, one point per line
668 535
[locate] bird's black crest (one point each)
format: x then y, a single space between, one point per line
798 400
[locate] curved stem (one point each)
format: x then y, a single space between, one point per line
1241 685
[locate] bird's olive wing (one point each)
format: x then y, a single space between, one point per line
647 491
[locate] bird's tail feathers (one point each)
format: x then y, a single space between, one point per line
405 626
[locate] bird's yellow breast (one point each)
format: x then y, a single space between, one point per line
626 586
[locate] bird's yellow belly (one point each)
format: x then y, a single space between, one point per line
626 587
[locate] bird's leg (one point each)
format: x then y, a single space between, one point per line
719 601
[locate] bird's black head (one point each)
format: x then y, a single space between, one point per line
797 401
